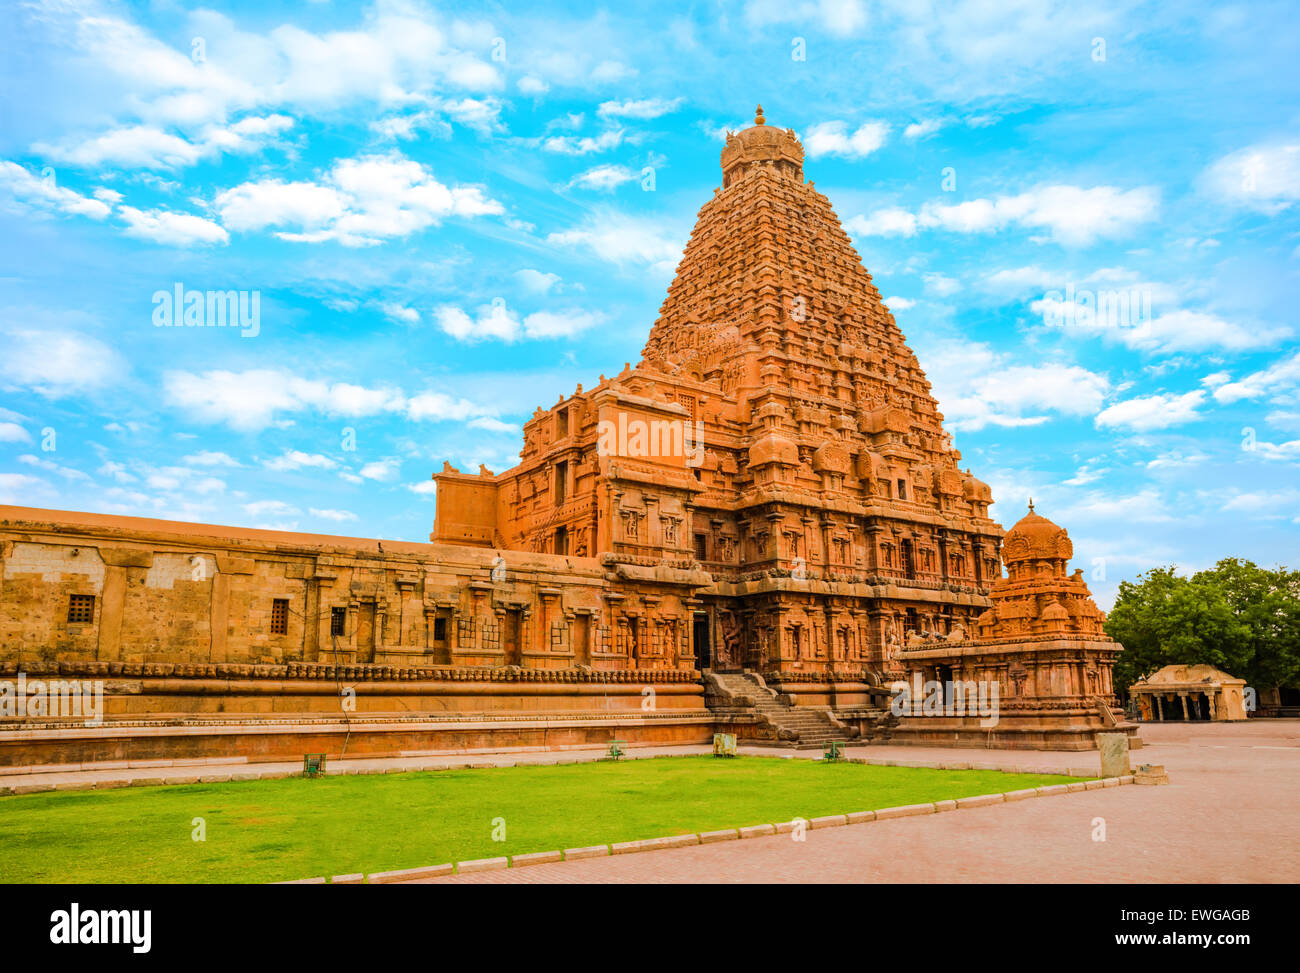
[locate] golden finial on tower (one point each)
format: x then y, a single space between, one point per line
1031 504
758 116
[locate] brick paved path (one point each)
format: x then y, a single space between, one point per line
1228 815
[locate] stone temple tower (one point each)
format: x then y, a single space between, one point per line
814 514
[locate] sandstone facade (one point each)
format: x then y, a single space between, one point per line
770 489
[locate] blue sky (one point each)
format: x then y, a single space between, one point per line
452 214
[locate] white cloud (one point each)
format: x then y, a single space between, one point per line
890 221
172 229
45 193
1283 375
584 145
834 138
400 313
11 432
56 362
644 108
494 425
603 178
210 458
536 281
1285 452
939 285
361 202
1147 412
529 85
1263 177
294 459
19 488
335 515
383 469
252 399
624 240
496 320
274 508
978 387
67 472
923 129
398 53
899 303
560 323
150 147
1185 330
1071 215
839 17
256 205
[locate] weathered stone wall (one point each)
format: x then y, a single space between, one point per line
181 593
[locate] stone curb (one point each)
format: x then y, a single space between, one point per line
355 878
407 874
829 821
906 811
709 837
536 858
729 834
590 851
482 865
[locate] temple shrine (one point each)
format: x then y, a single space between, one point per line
761 528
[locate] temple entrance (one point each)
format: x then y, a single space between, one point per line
703 657
513 625
943 675
582 640
366 632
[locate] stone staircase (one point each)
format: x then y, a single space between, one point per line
810 726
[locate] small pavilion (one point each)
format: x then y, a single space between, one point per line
1190 693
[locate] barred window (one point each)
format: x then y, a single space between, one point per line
280 616
338 621
81 609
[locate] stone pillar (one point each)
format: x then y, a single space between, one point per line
1114 754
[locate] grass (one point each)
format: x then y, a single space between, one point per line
266 831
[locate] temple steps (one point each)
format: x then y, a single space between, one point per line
812 725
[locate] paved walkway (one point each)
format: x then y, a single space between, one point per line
1228 815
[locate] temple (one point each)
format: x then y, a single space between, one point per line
761 528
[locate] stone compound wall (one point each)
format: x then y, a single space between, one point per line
178 593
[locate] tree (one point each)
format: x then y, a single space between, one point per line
1237 617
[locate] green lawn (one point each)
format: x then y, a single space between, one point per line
265 831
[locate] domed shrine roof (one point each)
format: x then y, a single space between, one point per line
1035 538
762 145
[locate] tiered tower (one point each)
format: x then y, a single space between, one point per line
815 484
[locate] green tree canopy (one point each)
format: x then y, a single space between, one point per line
1236 616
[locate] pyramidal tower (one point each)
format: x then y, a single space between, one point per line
772 483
